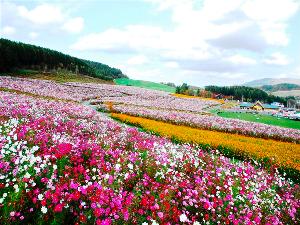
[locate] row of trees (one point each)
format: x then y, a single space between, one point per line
246 94
241 93
17 55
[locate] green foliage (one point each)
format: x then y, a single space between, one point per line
104 71
246 93
266 119
144 84
17 55
185 89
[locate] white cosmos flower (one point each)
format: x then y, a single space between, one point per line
44 209
118 166
130 166
40 197
154 222
183 218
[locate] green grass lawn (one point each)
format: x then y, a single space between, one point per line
271 120
144 84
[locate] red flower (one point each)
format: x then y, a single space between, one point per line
144 201
64 148
44 202
58 208
98 212
206 217
76 195
206 205
82 218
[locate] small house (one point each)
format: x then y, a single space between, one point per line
245 105
258 106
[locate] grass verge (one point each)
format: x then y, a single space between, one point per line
61 76
258 118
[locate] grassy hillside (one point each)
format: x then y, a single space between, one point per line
270 120
271 81
61 76
145 84
295 93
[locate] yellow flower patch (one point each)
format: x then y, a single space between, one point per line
284 153
208 99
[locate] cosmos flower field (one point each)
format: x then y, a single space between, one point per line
212 123
65 163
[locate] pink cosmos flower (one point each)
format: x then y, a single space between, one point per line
160 215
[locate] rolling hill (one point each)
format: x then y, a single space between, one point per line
280 87
271 81
145 84
20 56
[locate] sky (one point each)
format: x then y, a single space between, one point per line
199 42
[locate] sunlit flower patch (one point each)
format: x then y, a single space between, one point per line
284 153
64 163
212 123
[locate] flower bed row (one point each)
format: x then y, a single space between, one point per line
211 122
286 155
64 163
104 92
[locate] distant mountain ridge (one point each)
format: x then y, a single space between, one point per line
280 87
271 81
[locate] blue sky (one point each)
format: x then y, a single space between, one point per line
201 42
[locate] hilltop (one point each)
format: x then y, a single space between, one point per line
271 81
18 56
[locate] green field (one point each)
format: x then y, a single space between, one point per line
270 120
144 84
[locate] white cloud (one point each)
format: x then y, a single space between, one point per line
172 64
8 30
224 24
270 10
74 25
241 60
33 35
134 37
277 58
207 36
42 14
45 16
137 60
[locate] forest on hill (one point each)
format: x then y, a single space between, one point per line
246 93
241 93
18 55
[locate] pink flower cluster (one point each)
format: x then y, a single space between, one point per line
65 163
212 122
103 92
74 91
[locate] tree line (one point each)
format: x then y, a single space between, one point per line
247 94
241 93
18 55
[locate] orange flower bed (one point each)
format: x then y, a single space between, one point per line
283 153
188 96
